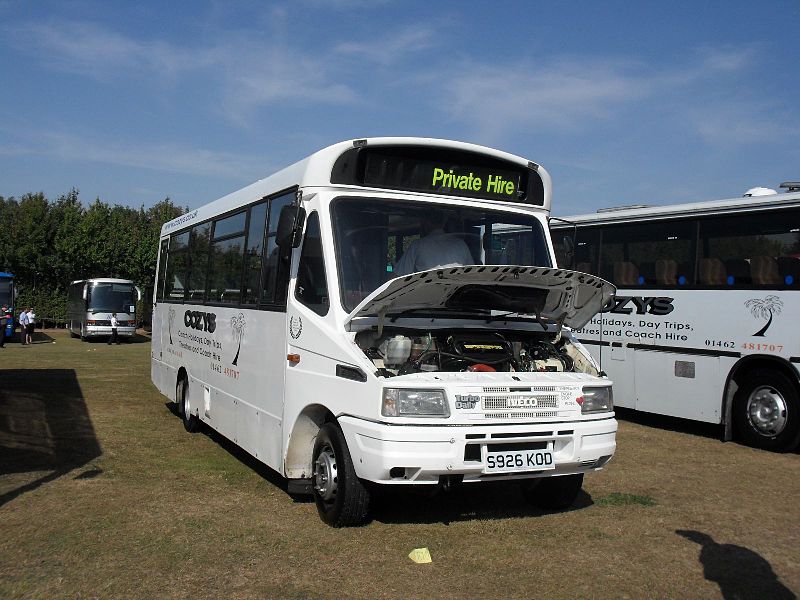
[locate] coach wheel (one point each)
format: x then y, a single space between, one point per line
341 498
766 411
83 334
72 333
553 493
190 422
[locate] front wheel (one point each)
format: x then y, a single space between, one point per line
766 411
342 500
553 493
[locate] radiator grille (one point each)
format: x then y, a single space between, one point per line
501 402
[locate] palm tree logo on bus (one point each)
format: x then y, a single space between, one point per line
171 319
237 325
764 309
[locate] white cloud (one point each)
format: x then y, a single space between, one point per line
243 72
392 46
171 158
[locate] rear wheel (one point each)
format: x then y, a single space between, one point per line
190 422
766 411
553 493
342 500
72 333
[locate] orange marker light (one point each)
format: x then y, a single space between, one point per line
293 358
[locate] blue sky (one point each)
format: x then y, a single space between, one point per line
623 102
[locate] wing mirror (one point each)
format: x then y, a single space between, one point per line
290 226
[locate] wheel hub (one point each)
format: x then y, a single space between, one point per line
325 474
766 410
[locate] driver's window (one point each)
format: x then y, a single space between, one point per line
312 286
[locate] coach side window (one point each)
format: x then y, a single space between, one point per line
750 250
654 254
312 287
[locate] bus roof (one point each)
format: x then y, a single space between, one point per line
709 207
101 280
316 171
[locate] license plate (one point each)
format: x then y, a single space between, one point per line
519 460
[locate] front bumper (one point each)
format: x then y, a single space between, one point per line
100 330
414 454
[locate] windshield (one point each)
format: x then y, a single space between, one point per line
378 240
6 292
112 297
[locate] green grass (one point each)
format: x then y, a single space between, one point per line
104 495
621 499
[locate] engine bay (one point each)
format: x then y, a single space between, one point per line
401 351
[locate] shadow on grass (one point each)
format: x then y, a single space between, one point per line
136 338
44 426
739 572
467 502
707 430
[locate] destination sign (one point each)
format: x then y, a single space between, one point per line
439 171
441 178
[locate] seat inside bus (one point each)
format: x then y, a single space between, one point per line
712 272
764 270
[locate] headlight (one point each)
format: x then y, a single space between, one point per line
400 402
597 399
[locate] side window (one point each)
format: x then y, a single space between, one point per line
750 250
312 287
649 254
198 261
227 259
177 267
273 271
253 251
162 268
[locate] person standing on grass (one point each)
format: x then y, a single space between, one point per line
3 324
114 325
23 326
30 325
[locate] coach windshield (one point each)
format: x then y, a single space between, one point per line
378 240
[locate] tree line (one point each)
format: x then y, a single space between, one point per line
48 244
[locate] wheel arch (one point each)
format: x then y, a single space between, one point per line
300 446
741 370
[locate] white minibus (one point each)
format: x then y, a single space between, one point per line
705 321
358 320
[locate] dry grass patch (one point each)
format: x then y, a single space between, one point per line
103 494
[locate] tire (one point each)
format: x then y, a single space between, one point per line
553 493
342 499
766 411
72 333
190 422
82 336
